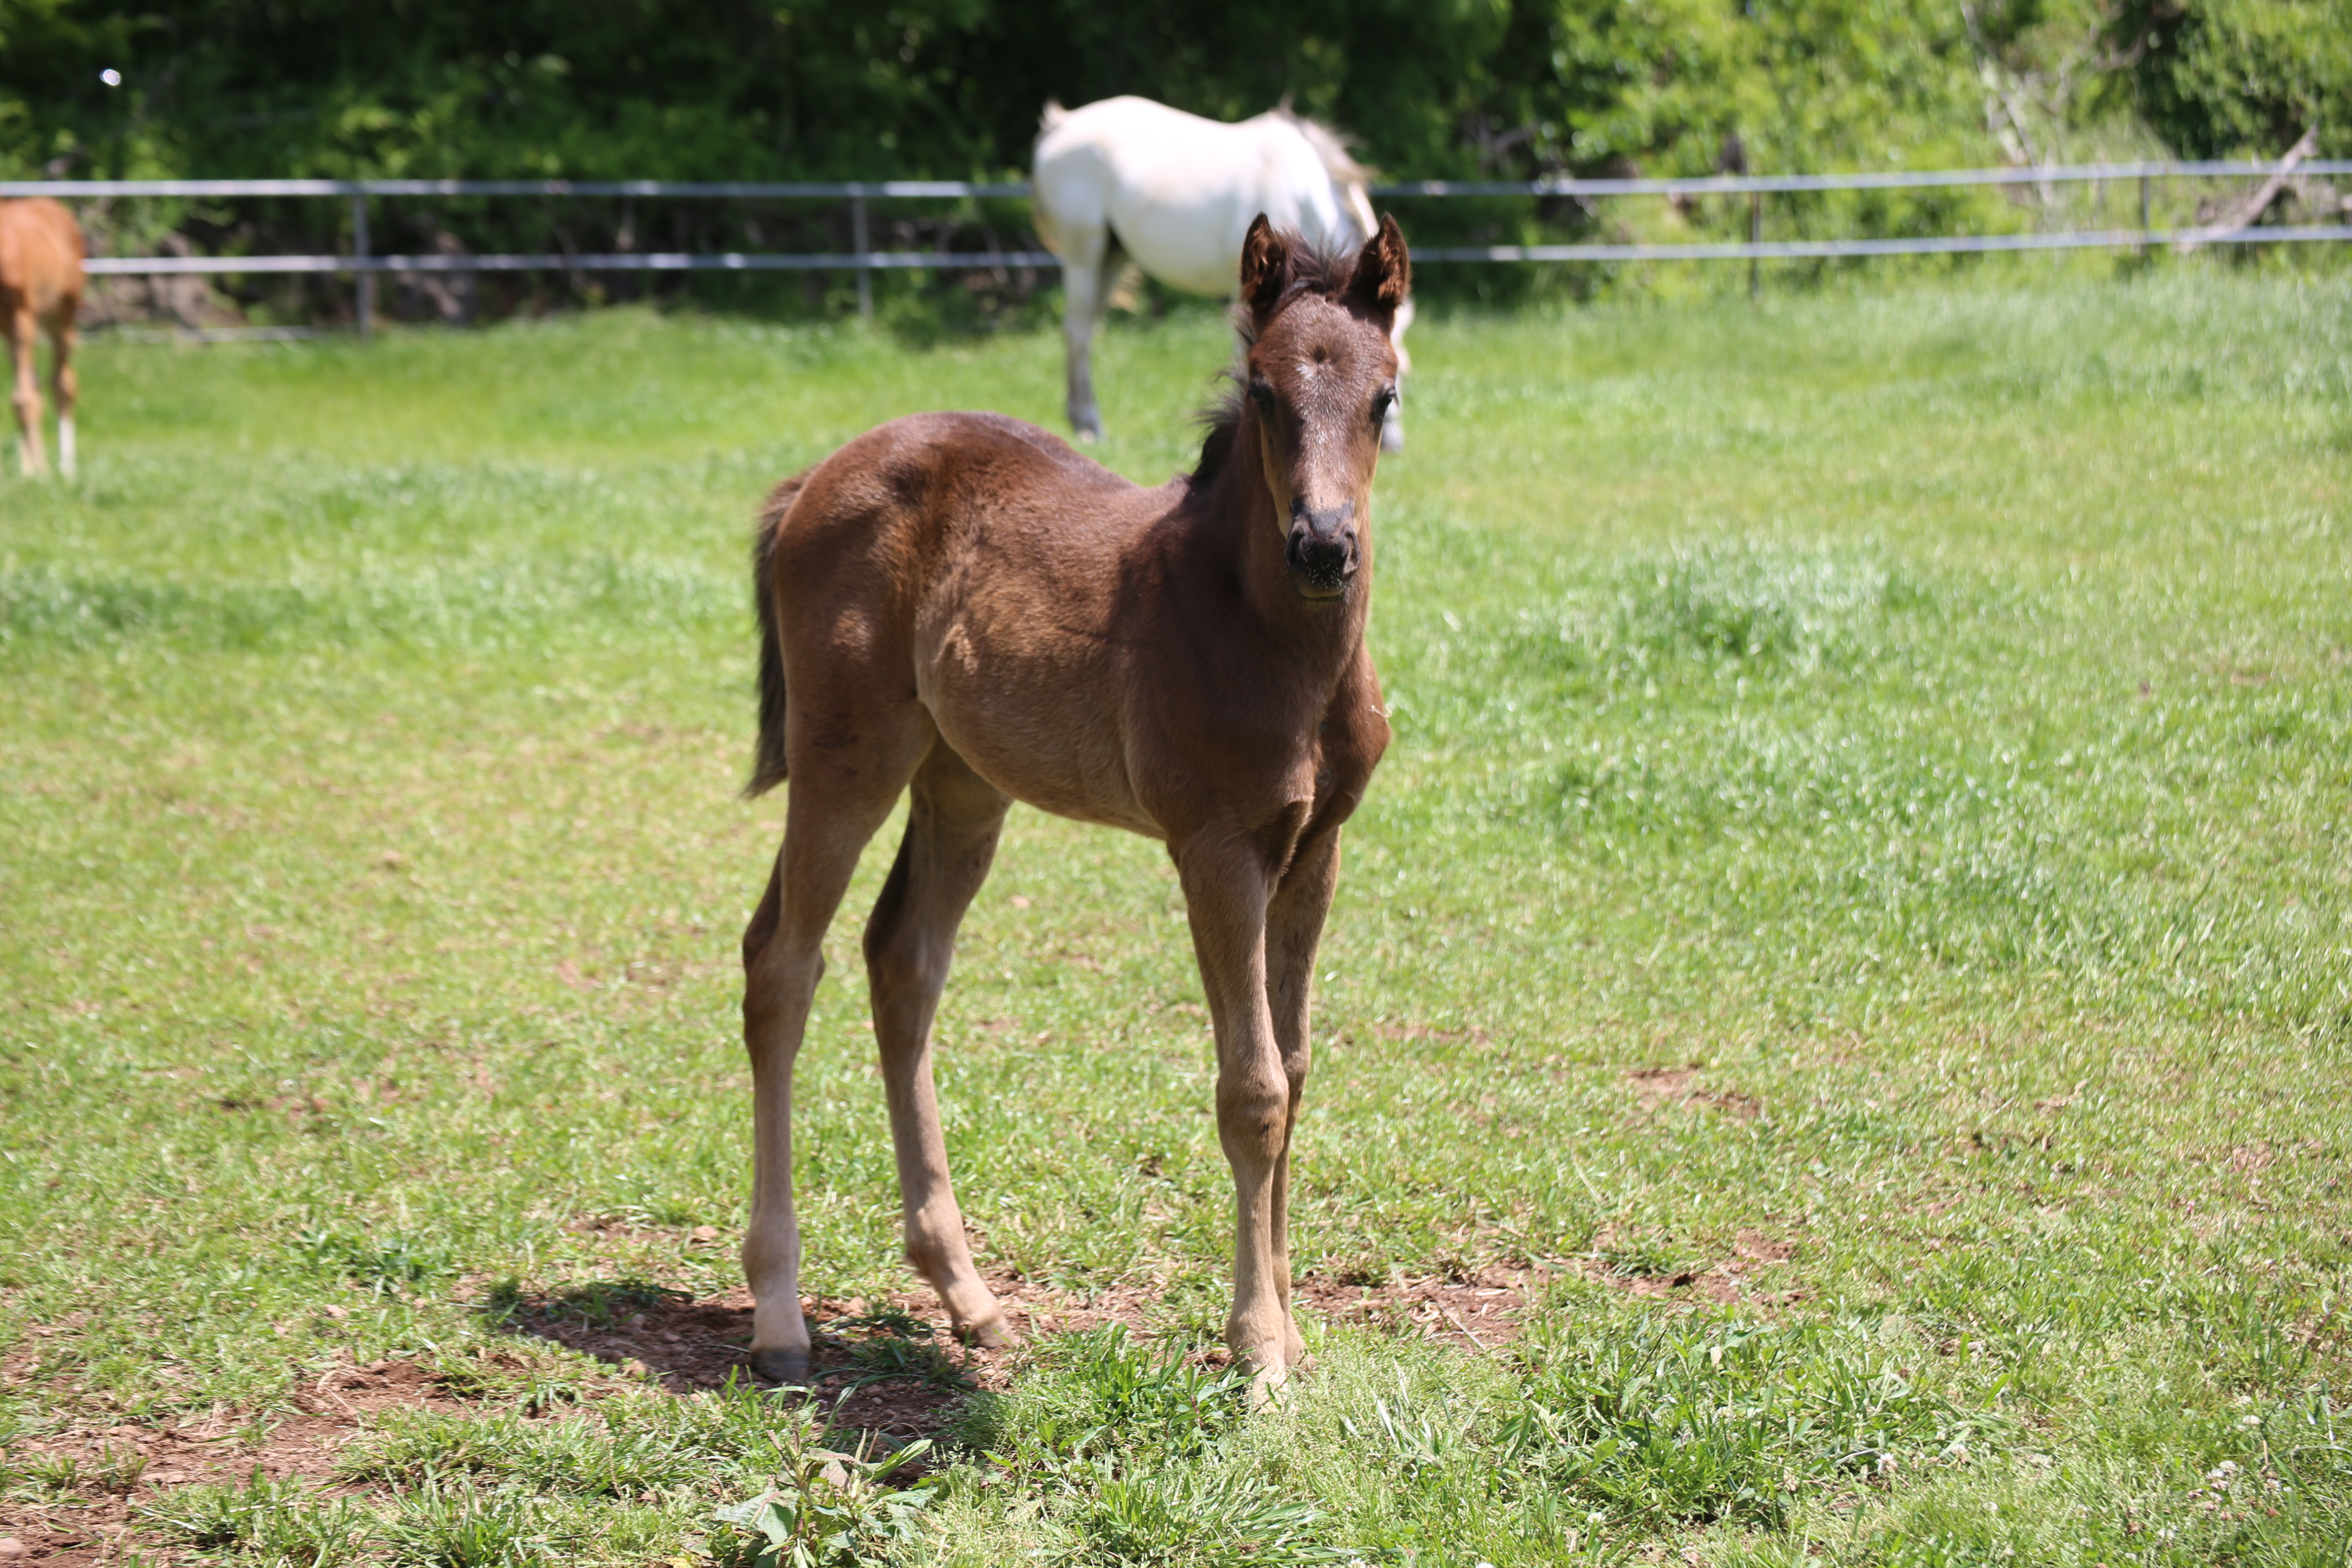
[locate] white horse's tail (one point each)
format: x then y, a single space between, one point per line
1040 212
1332 147
1353 179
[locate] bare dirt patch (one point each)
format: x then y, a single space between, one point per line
2249 1158
1481 1312
96 1475
1409 1031
1655 1087
885 1364
1729 1281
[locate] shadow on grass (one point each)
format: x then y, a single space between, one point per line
889 1365
878 1367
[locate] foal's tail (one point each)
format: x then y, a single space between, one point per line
768 755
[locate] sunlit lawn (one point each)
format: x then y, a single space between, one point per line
1858 920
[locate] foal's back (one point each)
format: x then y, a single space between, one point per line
888 518
976 568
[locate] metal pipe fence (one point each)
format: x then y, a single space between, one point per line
364 266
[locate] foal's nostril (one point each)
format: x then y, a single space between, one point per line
1321 549
1322 562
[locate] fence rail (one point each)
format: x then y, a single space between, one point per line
1925 245
840 190
362 264
789 190
558 261
1886 180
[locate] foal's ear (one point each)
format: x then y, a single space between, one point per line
1265 267
1383 274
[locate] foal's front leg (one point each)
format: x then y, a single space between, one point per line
1225 894
1294 929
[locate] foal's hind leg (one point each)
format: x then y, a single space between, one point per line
952 824
838 798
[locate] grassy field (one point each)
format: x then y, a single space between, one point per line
1834 1035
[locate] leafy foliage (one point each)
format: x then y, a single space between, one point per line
2219 78
828 88
830 1509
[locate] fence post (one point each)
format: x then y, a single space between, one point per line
363 280
626 241
2143 201
857 241
1755 237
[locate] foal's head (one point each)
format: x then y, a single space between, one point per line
1318 375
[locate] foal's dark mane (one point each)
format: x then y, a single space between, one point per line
1312 271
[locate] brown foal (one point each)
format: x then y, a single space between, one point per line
962 604
40 291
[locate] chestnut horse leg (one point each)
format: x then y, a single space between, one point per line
1226 896
838 798
1294 929
68 387
952 824
23 337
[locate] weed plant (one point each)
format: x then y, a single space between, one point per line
1857 921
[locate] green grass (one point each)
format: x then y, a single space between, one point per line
1921 724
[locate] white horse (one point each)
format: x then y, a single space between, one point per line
1130 180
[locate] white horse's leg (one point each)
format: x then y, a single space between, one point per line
1085 289
1393 427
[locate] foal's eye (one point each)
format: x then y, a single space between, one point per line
1262 394
1380 402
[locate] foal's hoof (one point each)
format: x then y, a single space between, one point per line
1266 1385
785 1366
994 1334
1268 1366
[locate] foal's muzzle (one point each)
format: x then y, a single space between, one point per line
1323 551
